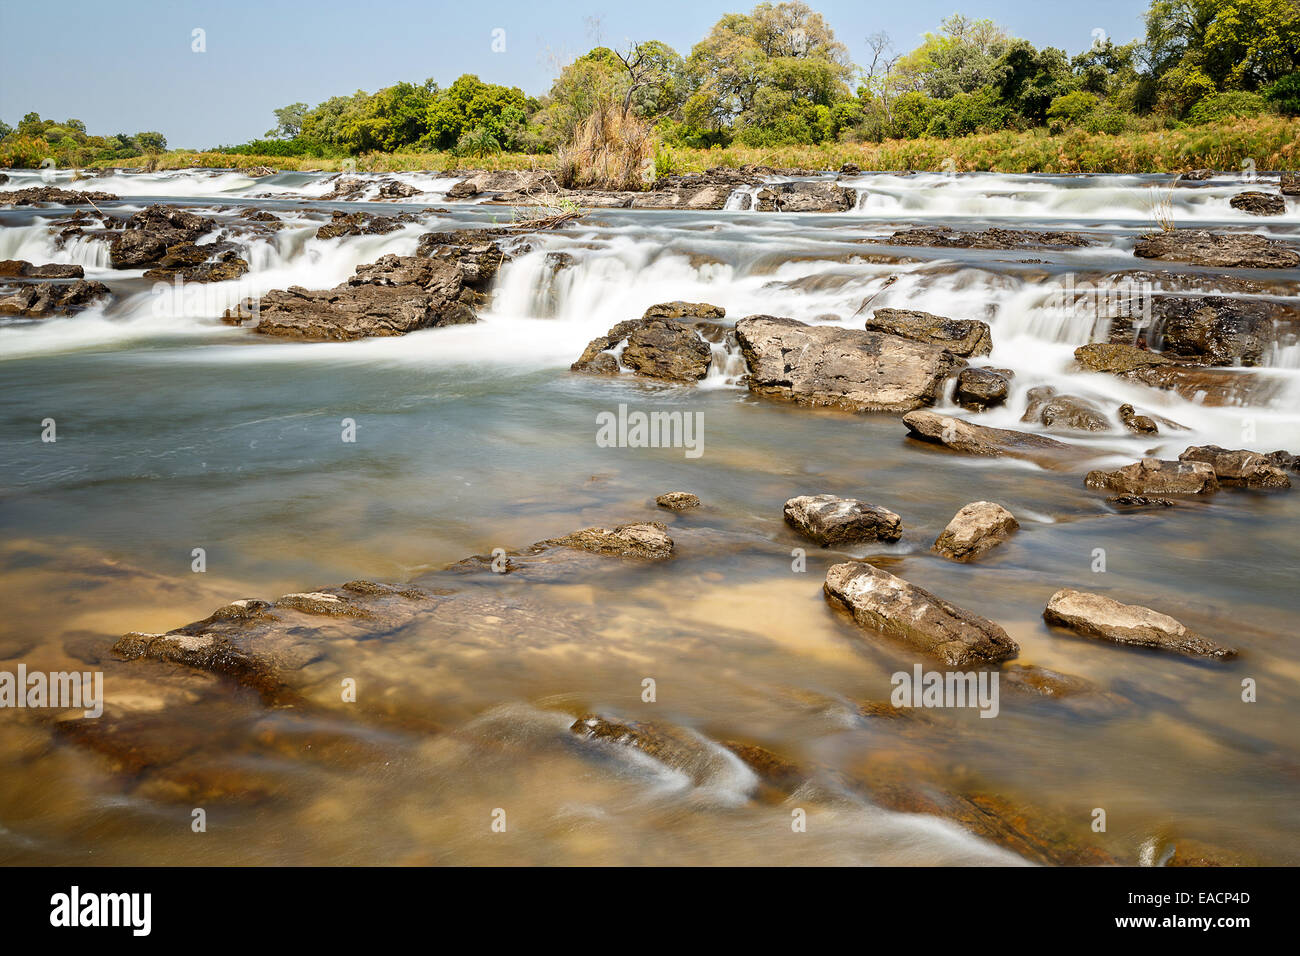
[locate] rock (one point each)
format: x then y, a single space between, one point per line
1154 476
882 602
830 520
1094 615
152 231
973 439
1068 412
1041 682
33 195
980 388
258 172
680 197
647 539
528 182
678 501
1290 184
1197 175
964 337
841 368
192 263
1140 501
361 224
1209 386
1285 460
654 347
465 189
684 310
805 197
1258 203
42 299
1225 251
975 529
945 237
1138 424
392 189
1241 467
21 269
1212 329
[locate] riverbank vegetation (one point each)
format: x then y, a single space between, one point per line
1212 82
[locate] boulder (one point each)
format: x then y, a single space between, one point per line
1247 469
1221 250
882 602
945 237
684 310
981 388
150 233
1210 330
210 262
971 439
1290 184
1259 204
678 501
830 520
40 299
1156 477
21 269
653 347
1138 424
975 529
964 337
841 368
1285 460
805 197
1094 615
1068 412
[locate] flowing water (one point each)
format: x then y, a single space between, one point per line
178 432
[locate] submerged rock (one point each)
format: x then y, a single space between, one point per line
882 602
1258 204
971 439
1241 467
653 347
964 337
841 368
1223 250
981 388
646 539
975 529
678 501
830 520
1094 615
1154 476
1140 501
1042 682
1070 412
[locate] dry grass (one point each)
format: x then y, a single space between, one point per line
612 149
1160 205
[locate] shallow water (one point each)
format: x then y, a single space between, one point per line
176 432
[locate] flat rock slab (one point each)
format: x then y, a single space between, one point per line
1224 250
1199 383
882 602
830 520
841 368
970 439
1154 476
964 337
975 529
1094 615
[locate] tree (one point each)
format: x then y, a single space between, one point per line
288 121
151 141
960 58
469 104
1029 80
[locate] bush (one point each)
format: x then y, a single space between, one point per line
1221 106
1071 110
611 149
1284 95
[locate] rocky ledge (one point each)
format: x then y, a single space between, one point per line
1225 251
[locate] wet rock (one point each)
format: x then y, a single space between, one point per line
152 231
1285 460
1094 615
21 269
805 197
258 172
1196 175
646 539
211 262
850 169
882 602
362 224
1037 681
1223 250
1212 330
971 439
41 299
1069 412
678 501
1290 184
981 388
1247 469
392 189
1156 477
1209 386
976 528
520 181
684 310
945 237
830 520
653 347
773 770
34 195
1258 203
680 197
841 368
1140 501
1138 424
964 337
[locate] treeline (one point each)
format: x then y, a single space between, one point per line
778 76
36 142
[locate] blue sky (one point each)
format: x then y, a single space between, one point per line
127 65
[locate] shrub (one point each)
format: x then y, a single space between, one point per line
611 149
1071 110
1284 95
1221 106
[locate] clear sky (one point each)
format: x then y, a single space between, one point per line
128 65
